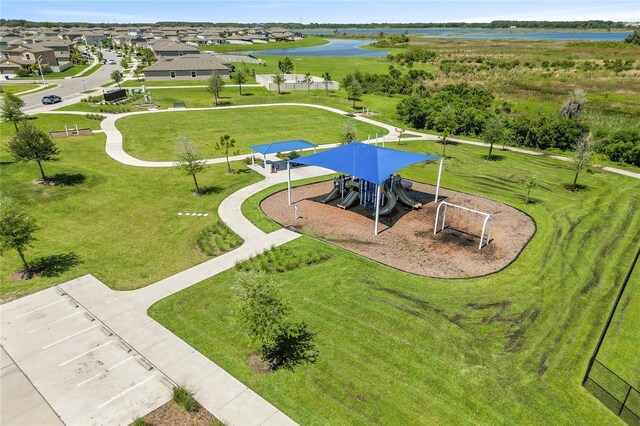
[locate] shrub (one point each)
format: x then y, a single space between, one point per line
217 239
139 421
282 259
184 399
95 117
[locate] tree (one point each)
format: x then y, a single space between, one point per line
529 183
326 79
263 313
447 118
100 56
225 146
124 63
582 156
308 80
32 144
574 106
11 109
633 38
354 91
116 76
189 159
348 133
16 231
278 79
494 133
240 76
215 85
285 66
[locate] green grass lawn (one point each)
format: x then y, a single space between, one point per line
305 42
120 221
509 348
18 88
153 136
165 83
91 71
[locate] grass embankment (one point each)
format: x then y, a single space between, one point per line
120 222
308 41
153 136
506 348
19 88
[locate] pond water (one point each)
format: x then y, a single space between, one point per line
333 48
485 33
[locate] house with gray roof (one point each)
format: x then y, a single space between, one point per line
166 48
186 67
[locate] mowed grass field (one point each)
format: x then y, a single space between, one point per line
508 348
120 222
153 136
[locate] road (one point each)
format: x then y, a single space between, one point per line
70 88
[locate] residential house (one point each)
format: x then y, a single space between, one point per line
169 49
187 67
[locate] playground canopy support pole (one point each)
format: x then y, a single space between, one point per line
253 158
289 181
377 209
264 157
439 175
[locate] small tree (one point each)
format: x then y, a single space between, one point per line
529 183
278 79
308 80
11 109
348 133
116 76
240 76
582 156
215 85
493 133
16 231
32 144
574 106
326 79
446 120
225 146
353 88
189 159
285 66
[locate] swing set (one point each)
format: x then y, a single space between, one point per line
487 223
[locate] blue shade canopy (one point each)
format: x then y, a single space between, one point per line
273 147
368 162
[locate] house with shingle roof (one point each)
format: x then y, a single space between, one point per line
187 67
171 49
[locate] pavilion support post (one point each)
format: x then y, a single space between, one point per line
264 157
377 209
253 158
289 181
439 176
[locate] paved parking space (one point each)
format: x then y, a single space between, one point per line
86 373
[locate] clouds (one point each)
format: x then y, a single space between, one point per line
92 16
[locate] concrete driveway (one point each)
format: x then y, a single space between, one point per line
86 373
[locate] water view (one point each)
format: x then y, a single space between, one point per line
333 48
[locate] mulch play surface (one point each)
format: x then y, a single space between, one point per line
406 240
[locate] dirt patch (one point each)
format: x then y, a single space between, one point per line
257 364
170 414
147 106
406 240
71 133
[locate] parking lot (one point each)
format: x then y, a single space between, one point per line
85 372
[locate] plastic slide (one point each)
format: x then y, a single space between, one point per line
402 194
335 192
391 201
351 198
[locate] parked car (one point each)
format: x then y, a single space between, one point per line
51 99
112 62
104 62
119 55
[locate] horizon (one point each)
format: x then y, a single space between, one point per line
328 13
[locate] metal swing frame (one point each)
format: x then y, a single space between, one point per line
488 219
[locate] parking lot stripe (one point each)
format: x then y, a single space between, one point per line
100 374
53 322
126 391
37 309
88 380
120 363
86 353
69 337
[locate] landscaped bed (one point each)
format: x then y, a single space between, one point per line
409 243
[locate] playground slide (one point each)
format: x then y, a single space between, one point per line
391 202
404 197
351 198
335 192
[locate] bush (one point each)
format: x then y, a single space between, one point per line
184 399
282 259
217 239
95 117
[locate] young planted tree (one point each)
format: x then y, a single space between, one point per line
215 85
353 88
16 231
285 66
11 109
494 133
189 159
446 120
529 183
278 79
348 133
225 146
116 76
308 80
262 312
32 144
574 106
326 79
582 156
240 77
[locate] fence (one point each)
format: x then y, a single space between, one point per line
612 390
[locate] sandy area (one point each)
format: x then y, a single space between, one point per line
406 240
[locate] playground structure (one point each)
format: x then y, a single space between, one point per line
350 189
73 129
70 131
488 220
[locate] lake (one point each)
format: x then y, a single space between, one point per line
485 33
333 48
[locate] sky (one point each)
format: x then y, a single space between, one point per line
319 11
